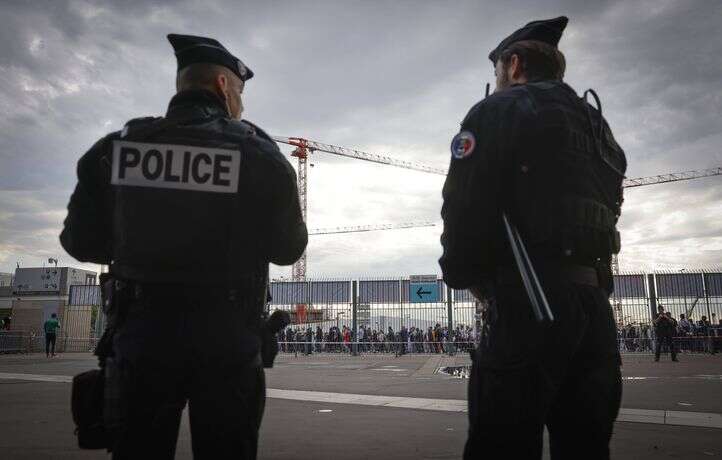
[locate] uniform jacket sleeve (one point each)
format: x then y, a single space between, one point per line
87 230
474 194
288 234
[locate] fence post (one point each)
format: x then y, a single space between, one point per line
706 297
450 317
354 322
652 296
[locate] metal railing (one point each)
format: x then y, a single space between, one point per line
35 343
368 305
357 348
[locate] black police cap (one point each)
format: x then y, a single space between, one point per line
194 50
548 31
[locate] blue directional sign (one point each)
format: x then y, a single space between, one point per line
423 288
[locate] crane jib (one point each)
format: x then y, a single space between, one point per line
390 161
304 146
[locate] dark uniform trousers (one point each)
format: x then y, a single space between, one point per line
526 375
665 339
186 347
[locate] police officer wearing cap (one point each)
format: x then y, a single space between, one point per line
187 210
541 155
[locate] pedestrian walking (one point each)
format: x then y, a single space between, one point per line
51 328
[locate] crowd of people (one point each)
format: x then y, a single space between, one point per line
684 334
436 339
687 335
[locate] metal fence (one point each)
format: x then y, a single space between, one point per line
406 314
11 342
386 302
81 324
682 344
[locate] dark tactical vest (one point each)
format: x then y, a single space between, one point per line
568 179
183 208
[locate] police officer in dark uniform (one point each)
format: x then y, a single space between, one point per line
187 210
665 327
541 155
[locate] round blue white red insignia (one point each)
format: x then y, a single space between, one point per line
462 145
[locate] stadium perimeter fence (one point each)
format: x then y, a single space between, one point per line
383 303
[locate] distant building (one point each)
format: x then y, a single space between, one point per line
50 281
38 292
6 279
6 301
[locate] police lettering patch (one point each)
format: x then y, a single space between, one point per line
462 145
181 167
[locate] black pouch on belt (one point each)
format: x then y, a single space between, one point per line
606 278
87 408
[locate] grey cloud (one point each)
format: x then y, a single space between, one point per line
387 77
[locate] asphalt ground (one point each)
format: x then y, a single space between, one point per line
35 421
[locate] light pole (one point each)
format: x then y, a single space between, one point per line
64 324
339 314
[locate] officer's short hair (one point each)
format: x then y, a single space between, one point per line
200 75
539 60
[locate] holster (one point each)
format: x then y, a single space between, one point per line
605 277
269 336
269 347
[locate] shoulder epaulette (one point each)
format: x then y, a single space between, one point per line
260 132
137 123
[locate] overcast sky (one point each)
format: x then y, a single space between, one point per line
390 77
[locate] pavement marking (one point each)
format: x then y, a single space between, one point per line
671 417
37 377
660 417
446 405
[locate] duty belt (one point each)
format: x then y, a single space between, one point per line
575 274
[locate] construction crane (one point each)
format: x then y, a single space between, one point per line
304 147
627 183
368 228
671 177
663 179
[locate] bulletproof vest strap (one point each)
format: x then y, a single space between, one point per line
575 216
615 201
597 134
257 287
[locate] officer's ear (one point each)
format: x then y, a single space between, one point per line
515 68
221 83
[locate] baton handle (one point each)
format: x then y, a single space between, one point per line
522 270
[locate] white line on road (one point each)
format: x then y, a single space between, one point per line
661 417
37 377
446 405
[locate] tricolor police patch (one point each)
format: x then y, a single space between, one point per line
462 145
